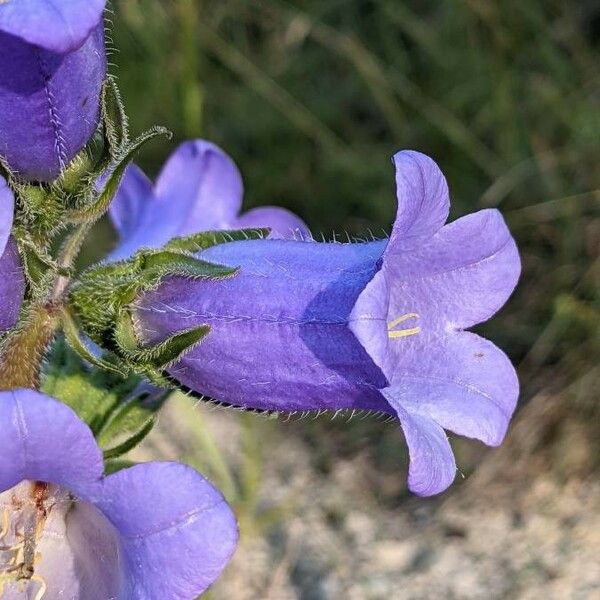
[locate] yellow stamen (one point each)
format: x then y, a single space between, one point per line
394 334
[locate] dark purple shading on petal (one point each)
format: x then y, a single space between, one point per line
44 440
198 189
12 285
57 25
49 103
177 531
280 338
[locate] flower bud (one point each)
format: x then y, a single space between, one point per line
52 64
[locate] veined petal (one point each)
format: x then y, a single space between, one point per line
12 285
462 381
279 336
57 25
423 201
177 531
49 103
432 467
284 224
458 278
7 209
44 440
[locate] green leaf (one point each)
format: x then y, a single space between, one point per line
129 424
130 443
205 239
117 464
92 393
126 422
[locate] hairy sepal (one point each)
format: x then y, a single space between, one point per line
103 301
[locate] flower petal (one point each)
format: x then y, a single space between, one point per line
44 440
283 223
49 103
12 285
198 189
78 552
177 531
7 209
423 201
459 278
130 201
279 335
461 381
57 25
201 186
432 467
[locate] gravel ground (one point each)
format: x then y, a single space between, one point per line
525 524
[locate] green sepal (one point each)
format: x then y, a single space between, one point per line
161 355
103 299
40 209
116 126
39 267
77 344
85 167
157 377
205 239
104 291
100 203
162 263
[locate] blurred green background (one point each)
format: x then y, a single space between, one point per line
311 99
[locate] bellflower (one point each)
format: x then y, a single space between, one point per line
363 326
52 64
12 280
198 189
151 531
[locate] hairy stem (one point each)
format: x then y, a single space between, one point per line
23 353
